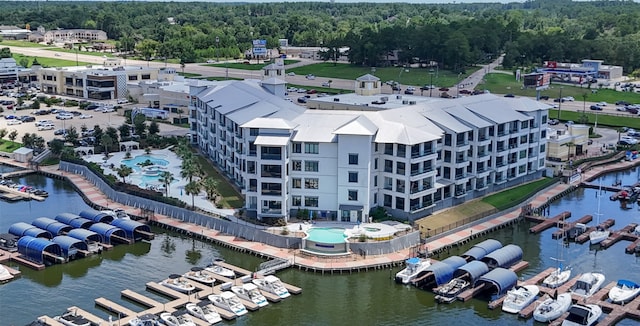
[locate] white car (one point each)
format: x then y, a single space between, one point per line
43 122
326 84
411 89
46 127
85 116
310 76
568 98
64 116
12 122
107 109
291 74
601 104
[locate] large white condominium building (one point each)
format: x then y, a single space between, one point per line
343 155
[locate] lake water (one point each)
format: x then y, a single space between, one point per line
362 298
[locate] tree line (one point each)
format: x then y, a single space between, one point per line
454 35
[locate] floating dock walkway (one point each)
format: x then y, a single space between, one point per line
24 195
546 223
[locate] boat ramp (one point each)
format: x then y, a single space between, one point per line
177 299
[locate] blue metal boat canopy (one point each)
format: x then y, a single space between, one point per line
107 230
51 225
504 257
501 279
629 284
69 245
475 269
33 249
443 270
482 249
74 220
25 229
131 227
96 216
85 235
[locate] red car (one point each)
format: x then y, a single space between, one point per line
311 91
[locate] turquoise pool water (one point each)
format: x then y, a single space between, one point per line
326 235
133 162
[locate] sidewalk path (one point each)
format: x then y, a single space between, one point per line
313 263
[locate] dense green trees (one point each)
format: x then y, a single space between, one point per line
455 35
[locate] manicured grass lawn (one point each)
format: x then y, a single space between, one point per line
405 76
500 83
49 62
23 44
514 196
95 54
621 120
290 62
8 146
456 214
230 197
319 89
189 75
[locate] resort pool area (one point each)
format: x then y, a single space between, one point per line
134 162
326 235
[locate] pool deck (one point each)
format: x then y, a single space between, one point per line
340 264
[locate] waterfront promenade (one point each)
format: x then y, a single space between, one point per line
334 264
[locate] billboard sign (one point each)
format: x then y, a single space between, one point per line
259 43
259 51
283 42
537 80
259 47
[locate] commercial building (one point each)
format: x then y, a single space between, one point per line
581 72
347 154
74 35
563 145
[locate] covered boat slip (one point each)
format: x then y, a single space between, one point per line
133 229
482 249
471 271
21 229
39 250
439 273
75 221
497 282
504 257
92 239
54 227
96 216
110 234
71 247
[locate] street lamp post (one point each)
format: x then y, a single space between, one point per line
217 49
560 102
431 82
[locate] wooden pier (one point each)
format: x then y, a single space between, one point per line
24 195
625 233
95 320
567 227
545 223
633 247
15 174
604 225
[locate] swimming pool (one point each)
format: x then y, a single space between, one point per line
326 241
133 162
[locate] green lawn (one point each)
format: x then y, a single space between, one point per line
406 76
327 90
8 146
622 120
514 196
500 83
230 197
189 75
23 44
93 53
234 65
290 62
49 62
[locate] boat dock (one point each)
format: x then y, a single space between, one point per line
625 233
23 195
567 227
604 225
546 223
14 273
15 174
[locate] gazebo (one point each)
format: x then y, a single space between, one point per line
85 150
127 146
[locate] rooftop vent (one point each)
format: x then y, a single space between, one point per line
405 102
412 102
398 97
335 99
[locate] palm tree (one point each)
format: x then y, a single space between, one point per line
210 186
106 142
124 171
166 178
190 169
192 188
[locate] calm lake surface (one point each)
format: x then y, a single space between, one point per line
365 298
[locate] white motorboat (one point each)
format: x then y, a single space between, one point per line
117 213
519 297
5 276
552 309
624 291
273 285
197 275
177 318
71 318
178 283
228 301
250 292
222 271
583 315
588 284
413 267
205 311
448 292
598 235
558 277
145 320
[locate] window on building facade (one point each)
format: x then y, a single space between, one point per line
353 177
311 166
400 203
296 200
353 195
311 183
296 165
388 149
353 159
146 77
310 201
296 183
311 148
296 147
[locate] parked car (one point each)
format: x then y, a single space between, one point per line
310 76
26 118
509 95
595 108
544 97
12 122
46 127
632 110
568 123
64 116
554 122
559 100
43 122
291 73
396 88
85 116
408 92
622 103
601 103
326 84
107 109
311 91
569 98
10 117
59 132
302 99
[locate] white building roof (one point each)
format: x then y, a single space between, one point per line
463 114
368 77
269 123
358 126
272 140
496 109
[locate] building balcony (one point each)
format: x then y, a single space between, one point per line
271 211
501 163
461 176
482 154
387 187
415 190
460 193
266 174
481 186
277 193
277 157
418 207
